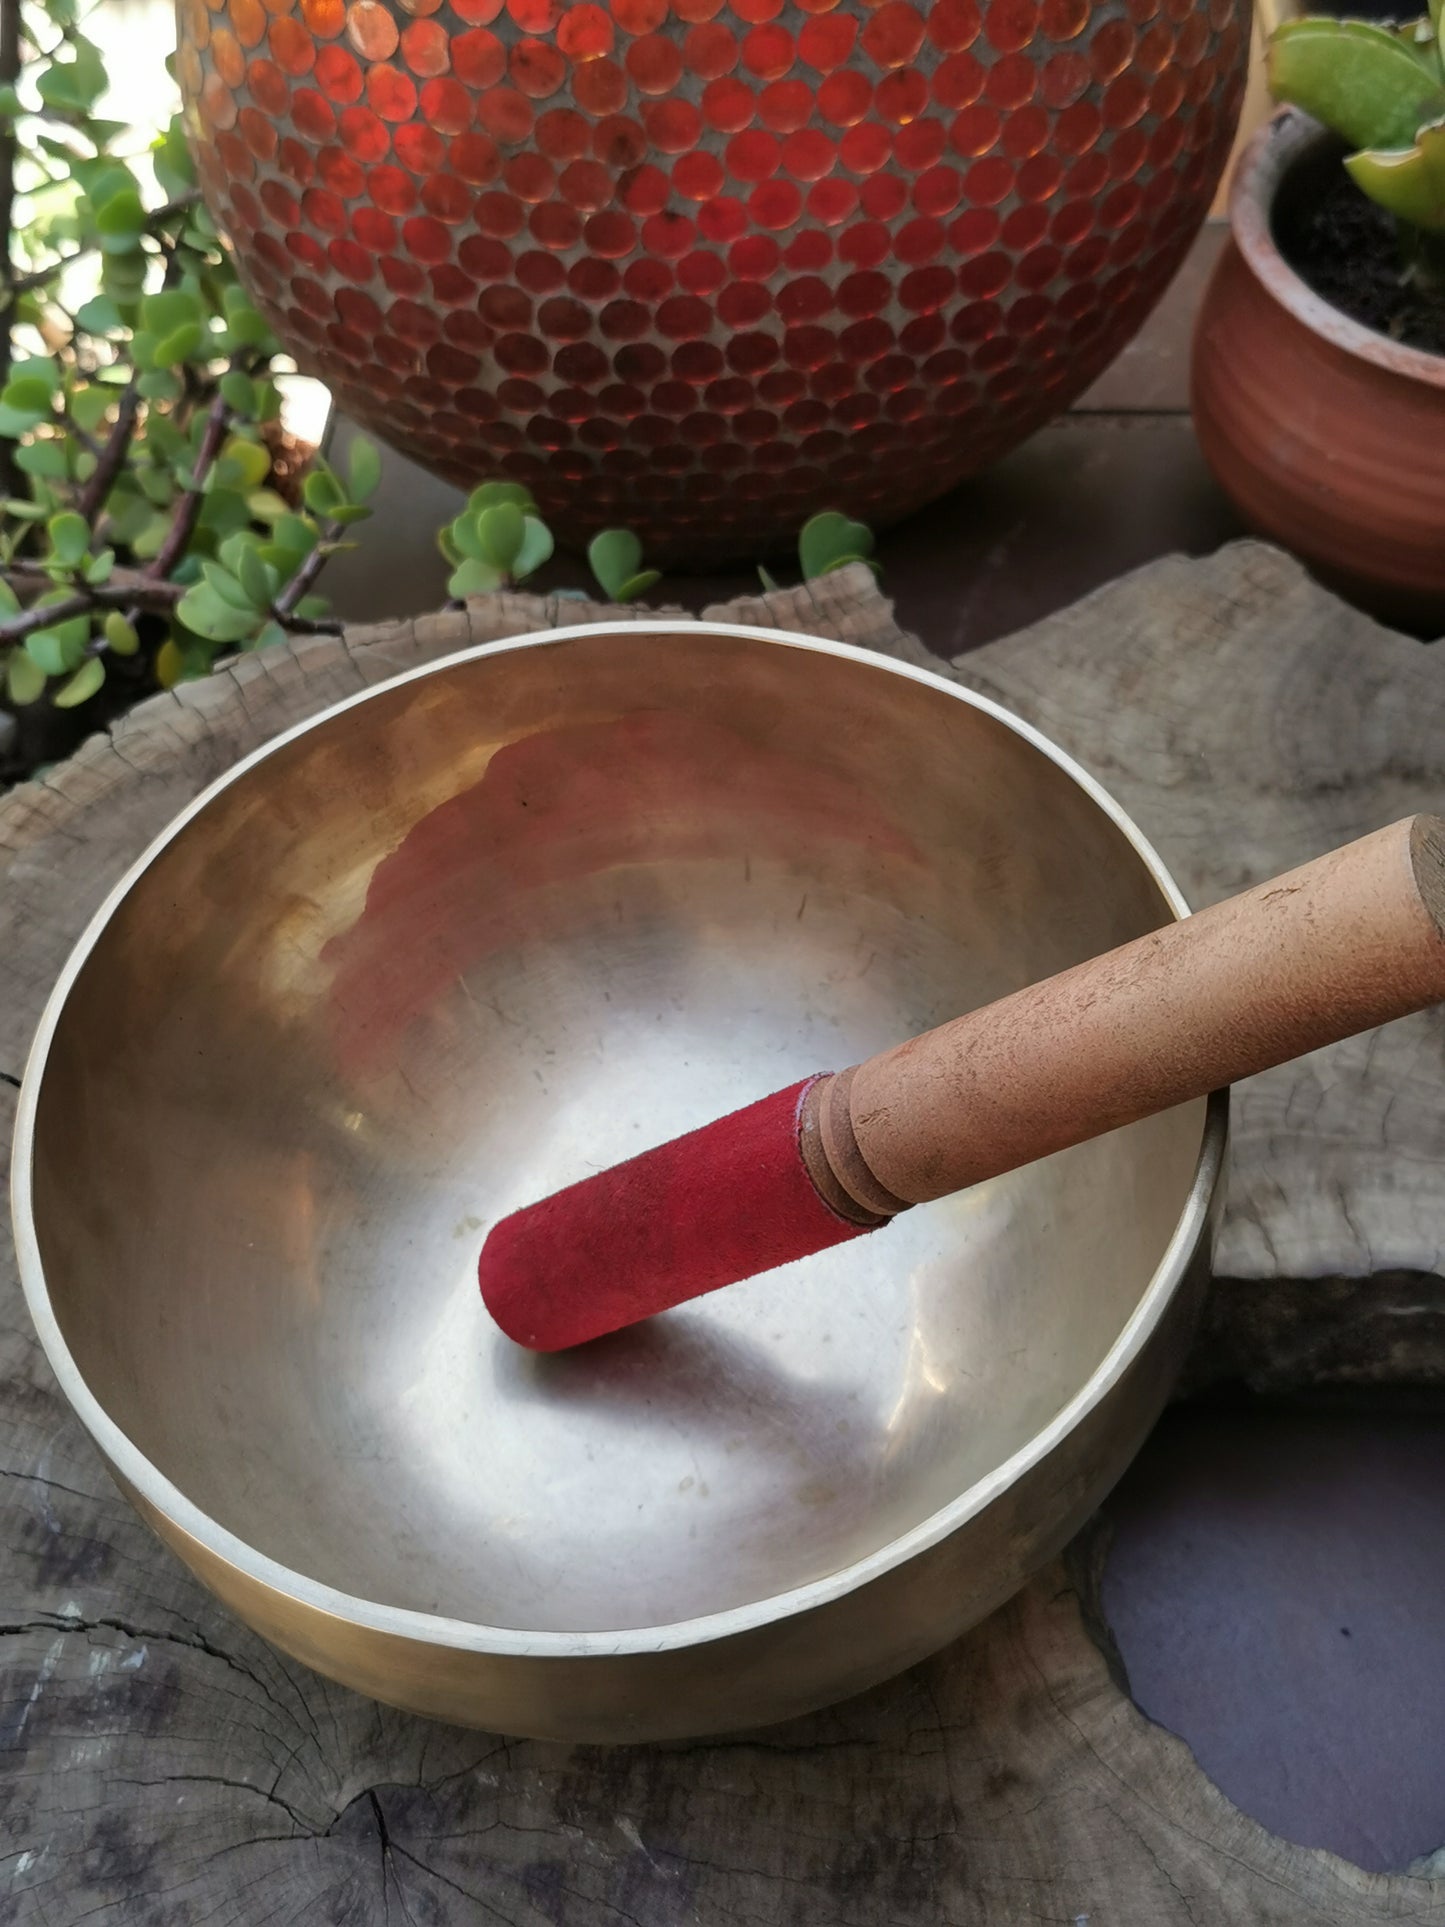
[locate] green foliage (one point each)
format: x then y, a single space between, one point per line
615 558
497 541
1381 89
1372 87
141 534
830 541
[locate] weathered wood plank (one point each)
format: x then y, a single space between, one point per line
161 1767
1249 720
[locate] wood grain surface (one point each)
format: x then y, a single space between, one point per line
161 1767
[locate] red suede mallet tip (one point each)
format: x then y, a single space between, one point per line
703 1211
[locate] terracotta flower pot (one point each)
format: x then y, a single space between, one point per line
1328 437
706 266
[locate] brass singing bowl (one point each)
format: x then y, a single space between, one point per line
462 940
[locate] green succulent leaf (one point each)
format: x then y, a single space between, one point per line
256 579
769 582
9 601
123 275
170 665
638 585
224 510
447 543
46 459
267 506
243 464
126 513
120 222
82 685
16 421
495 494
100 568
829 540
537 547
474 577
1359 79
1410 184
311 608
501 531
269 636
101 175
57 651
363 469
466 537
245 328
348 512
157 486
210 615
171 308
163 438
295 535
614 557
147 543
27 390
172 162
235 546
90 405
180 345
120 635
238 391
321 491
29 396
268 402
159 384
72 86
69 538
24 678
229 589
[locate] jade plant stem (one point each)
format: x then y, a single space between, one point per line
9 74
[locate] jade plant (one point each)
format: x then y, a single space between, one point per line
1382 90
499 539
155 515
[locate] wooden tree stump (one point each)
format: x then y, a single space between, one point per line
162 1765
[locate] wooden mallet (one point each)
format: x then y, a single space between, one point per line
1347 942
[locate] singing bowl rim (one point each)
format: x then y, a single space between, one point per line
158 1491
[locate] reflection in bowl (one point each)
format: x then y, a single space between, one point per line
460 942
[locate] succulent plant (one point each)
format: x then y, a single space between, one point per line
496 542
1381 89
828 541
144 531
615 558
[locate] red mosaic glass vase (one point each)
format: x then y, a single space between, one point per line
703 267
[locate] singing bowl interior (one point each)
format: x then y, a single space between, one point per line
471 937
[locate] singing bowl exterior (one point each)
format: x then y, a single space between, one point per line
706 268
458 941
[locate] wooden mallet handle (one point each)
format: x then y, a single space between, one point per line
1343 944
